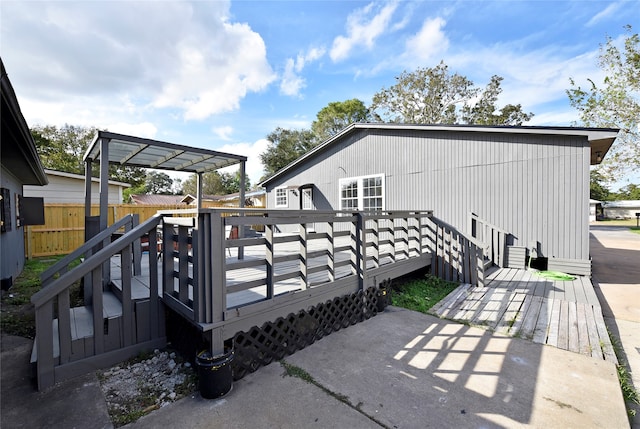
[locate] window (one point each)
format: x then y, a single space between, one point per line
282 199
5 210
362 193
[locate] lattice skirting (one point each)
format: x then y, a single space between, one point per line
275 340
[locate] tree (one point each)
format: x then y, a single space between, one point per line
615 102
598 189
63 148
285 146
435 96
158 183
211 184
628 192
483 112
231 182
337 115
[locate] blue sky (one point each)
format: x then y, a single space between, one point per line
223 75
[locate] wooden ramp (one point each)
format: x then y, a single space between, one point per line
519 303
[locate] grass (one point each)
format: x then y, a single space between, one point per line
17 315
420 294
629 392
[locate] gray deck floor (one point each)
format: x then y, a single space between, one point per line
519 303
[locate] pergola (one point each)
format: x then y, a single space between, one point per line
111 148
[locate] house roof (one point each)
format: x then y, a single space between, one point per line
147 153
600 139
81 177
158 200
19 154
622 204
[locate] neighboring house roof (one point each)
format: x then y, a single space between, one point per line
592 201
158 200
249 194
622 204
19 154
600 139
81 177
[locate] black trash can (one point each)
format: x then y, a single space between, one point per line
214 374
383 297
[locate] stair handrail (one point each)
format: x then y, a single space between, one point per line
98 258
62 266
493 251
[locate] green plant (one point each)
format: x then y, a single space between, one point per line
421 294
17 313
629 392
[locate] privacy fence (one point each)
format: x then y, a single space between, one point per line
63 231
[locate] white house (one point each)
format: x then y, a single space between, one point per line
625 209
69 188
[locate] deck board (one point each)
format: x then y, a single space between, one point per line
565 315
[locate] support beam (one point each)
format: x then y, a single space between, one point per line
87 189
199 191
104 203
243 182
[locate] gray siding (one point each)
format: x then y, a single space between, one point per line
12 241
533 186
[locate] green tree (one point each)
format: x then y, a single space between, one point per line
615 102
628 192
63 148
211 184
598 188
231 182
436 96
337 115
285 146
484 111
158 183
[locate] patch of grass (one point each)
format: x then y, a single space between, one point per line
16 311
629 392
635 229
421 294
616 222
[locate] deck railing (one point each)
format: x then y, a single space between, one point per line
493 237
226 282
457 257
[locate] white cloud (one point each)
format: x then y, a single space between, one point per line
604 14
109 61
144 129
292 83
427 43
224 132
252 151
362 30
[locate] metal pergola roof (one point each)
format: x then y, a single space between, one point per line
147 153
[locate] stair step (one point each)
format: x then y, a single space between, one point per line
139 290
81 319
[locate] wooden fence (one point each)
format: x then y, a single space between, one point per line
63 231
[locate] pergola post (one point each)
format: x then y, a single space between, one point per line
104 202
199 191
87 189
241 205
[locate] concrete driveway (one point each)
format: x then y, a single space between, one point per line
616 277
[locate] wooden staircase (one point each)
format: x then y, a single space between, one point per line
71 341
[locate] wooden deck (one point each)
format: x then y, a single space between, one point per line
519 303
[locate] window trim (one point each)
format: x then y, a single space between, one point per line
360 197
286 197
